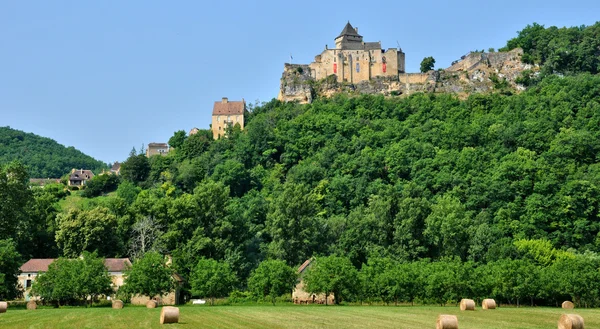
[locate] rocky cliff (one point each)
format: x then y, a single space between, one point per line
474 73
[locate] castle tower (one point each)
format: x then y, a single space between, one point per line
349 39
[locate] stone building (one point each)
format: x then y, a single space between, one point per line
227 113
353 60
116 268
157 149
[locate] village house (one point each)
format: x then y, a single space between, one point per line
170 298
29 271
157 149
79 177
301 296
116 168
225 114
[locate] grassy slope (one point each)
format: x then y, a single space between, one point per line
292 316
75 200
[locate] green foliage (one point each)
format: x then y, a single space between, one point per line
148 276
69 281
427 64
15 195
89 230
560 50
10 263
332 275
135 169
212 279
272 278
100 184
177 139
43 157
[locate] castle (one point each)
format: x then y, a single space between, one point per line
353 60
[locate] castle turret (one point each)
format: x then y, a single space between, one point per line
349 39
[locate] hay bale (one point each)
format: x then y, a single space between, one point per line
570 321
151 304
3 307
568 305
446 322
31 305
467 305
488 304
117 304
169 314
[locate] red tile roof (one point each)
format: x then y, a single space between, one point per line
41 265
226 107
37 265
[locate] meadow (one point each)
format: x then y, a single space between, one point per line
292 316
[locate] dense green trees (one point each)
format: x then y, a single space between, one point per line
43 157
148 276
332 275
272 278
211 278
10 263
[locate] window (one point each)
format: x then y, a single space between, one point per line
218 118
28 284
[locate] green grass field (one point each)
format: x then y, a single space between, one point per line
292 316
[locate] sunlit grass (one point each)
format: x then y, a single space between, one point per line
292 316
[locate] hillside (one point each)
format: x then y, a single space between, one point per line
44 157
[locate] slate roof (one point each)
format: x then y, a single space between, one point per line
229 107
158 145
116 167
41 264
82 174
349 30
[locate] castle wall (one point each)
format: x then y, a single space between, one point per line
356 65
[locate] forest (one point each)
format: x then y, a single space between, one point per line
426 198
43 157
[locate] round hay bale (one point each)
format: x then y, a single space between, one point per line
467 305
31 305
151 304
568 305
117 304
3 307
488 304
446 322
169 314
570 321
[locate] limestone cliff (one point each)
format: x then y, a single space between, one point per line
474 73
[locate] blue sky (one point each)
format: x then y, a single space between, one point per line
106 76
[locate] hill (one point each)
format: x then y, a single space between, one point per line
44 157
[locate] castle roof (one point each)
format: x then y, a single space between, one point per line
226 107
349 31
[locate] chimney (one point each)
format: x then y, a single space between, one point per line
356 29
224 100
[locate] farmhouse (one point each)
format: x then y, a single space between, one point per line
301 296
30 270
79 177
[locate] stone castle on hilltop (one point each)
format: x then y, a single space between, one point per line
353 60
358 67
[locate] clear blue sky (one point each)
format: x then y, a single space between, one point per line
105 76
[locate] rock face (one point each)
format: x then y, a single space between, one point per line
474 73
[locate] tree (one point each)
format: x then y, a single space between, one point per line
332 275
272 278
145 233
177 139
10 263
211 278
135 169
15 196
427 64
73 280
100 184
149 276
90 230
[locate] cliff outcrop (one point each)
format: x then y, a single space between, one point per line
474 73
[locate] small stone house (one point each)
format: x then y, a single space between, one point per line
227 113
171 298
157 149
79 177
116 168
116 268
300 296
